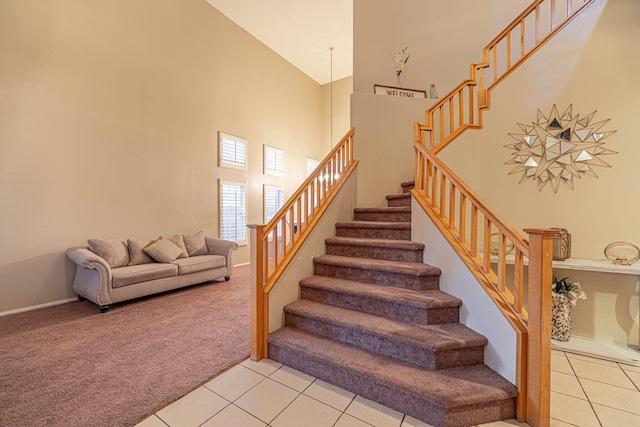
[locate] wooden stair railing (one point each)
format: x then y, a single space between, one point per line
482 240
462 108
470 225
274 245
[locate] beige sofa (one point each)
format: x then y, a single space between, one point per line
113 270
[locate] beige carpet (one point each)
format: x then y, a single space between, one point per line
69 365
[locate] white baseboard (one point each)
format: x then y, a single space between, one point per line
35 307
242 264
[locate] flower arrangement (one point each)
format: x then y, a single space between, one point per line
400 61
572 291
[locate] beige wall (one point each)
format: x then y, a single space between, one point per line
109 116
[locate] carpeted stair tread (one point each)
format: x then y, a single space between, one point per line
383 243
374 224
406 268
422 299
444 389
432 338
398 209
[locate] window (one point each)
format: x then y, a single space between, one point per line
273 161
233 212
233 151
273 201
312 164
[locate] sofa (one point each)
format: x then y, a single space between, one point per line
109 271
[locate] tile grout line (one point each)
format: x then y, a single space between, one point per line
583 390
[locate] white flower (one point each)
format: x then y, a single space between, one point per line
400 60
572 291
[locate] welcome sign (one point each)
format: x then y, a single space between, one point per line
398 92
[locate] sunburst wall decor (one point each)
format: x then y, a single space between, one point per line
559 148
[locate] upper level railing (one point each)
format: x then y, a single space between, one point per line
462 108
274 245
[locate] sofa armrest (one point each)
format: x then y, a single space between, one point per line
93 275
222 247
217 246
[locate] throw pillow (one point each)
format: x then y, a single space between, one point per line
179 242
136 252
163 250
195 243
113 251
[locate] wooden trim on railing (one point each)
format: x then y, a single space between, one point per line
288 230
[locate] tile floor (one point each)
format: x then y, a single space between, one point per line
585 392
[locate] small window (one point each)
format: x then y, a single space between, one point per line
273 201
312 164
273 161
233 151
233 212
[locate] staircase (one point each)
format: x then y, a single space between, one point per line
373 321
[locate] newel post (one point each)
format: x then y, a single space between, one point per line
257 334
539 335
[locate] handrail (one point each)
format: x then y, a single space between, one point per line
274 245
462 108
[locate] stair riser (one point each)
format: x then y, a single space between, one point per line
397 280
383 216
386 345
391 310
400 400
375 233
397 202
389 254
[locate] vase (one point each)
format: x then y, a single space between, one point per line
561 311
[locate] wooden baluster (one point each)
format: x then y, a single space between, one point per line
502 261
486 251
495 63
553 14
463 220
518 280
443 196
441 117
452 206
474 230
461 107
451 115
471 104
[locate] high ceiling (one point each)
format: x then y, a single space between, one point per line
301 31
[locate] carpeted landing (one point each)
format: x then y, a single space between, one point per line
372 320
70 366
